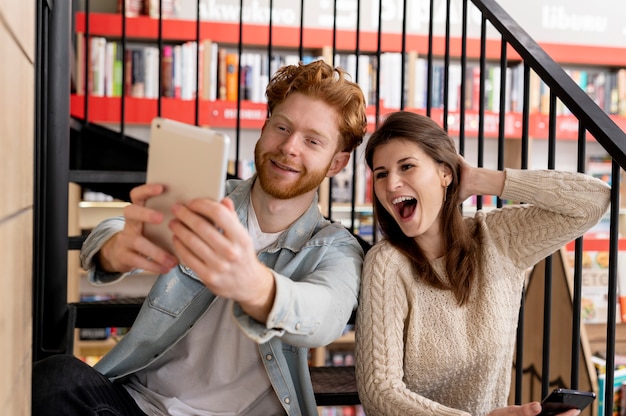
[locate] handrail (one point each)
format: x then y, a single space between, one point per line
593 118
606 132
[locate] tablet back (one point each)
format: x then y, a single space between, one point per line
191 162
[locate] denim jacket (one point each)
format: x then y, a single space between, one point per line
316 265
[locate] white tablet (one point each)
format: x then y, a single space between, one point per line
191 162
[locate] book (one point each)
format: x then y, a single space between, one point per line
257 82
611 96
515 91
209 70
97 67
232 76
212 71
437 86
221 73
534 92
198 65
360 179
113 70
134 8
81 62
151 71
108 68
167 71
137 82
620 400
177 70
118 69
454 86
128 72
619 378
188 87
494 94
594 290
245 77
170 8
621 92
474 84
421 82
621 284
264 77
391 90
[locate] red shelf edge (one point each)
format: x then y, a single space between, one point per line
223 114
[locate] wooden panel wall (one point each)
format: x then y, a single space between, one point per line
17 45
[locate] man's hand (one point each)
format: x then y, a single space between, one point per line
210 239
129 249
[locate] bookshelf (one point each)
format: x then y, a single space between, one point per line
219 113
145 27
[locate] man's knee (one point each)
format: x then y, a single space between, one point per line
62 365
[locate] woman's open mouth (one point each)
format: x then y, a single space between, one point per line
404 206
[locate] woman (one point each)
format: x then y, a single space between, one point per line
440 294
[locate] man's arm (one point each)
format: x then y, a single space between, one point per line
211 241
312 311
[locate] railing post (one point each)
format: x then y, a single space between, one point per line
51 178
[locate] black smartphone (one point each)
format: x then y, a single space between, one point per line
562 400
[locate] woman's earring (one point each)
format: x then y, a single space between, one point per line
445 193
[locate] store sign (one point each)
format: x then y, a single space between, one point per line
599 22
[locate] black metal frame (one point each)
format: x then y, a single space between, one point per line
52 119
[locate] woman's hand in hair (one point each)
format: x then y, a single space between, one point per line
465 173
479 181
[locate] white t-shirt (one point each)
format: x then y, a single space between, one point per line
214 370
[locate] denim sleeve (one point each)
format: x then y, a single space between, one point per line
311 307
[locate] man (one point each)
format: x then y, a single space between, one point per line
262 277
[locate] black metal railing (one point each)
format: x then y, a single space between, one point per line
51 178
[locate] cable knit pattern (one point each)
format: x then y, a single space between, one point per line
417 351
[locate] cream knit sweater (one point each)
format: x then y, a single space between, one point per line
417 351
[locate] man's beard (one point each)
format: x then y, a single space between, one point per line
308 180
